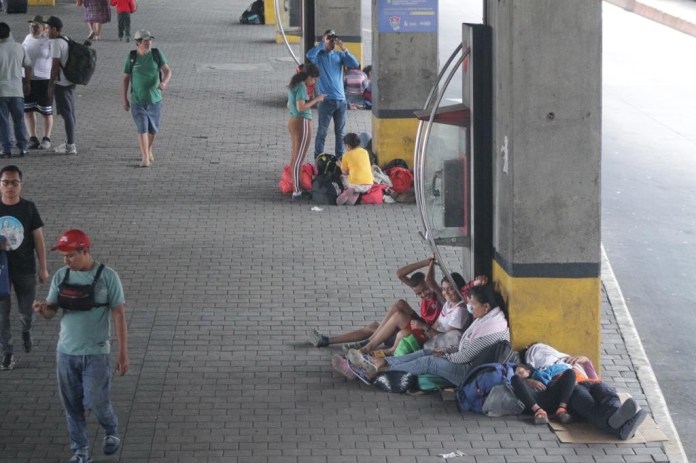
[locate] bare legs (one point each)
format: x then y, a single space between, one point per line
354 336
94 30
30 120
146 140
398 317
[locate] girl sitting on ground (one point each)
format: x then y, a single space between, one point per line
357 171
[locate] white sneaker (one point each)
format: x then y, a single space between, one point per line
45 143
66 149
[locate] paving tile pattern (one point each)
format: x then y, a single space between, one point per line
223 276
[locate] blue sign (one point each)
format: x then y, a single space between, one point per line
407 15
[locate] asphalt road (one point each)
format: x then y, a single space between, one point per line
648 197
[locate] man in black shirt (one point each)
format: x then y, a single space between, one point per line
22 236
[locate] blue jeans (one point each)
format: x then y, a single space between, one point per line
84 383
12 106
330 109
421 362
25 290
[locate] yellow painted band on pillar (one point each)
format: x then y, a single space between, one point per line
562 312
42 3
394 139
269 12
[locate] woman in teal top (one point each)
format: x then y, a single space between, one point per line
300 123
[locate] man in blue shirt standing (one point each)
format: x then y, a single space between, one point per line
330 63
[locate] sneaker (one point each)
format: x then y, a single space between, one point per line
26 339
317 339
301 196
360 360
80 458
23 153
354 345
5 154
66 149
626 411
340 364
111 445
540 417
388 199
45 143
8 362
127 38
33 143
629 428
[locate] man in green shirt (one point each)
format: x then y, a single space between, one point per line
147 73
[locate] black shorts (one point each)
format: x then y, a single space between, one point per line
38 100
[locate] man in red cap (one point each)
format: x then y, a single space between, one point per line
88 292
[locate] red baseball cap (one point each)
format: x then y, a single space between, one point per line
72 240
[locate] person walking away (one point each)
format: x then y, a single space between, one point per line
21 229
330 63
124 10
13 87
300 123
97 12
141 72
58 85
38 48
83 352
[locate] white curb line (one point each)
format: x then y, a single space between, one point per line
646 376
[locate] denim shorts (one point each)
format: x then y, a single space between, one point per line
147 116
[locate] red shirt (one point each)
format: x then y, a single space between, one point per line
430 310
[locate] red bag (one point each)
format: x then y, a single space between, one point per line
374 196
307 173
401 179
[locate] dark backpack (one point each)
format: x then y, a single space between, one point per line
326 164
81 62
478 383
327 185
156 55
325 189
254 14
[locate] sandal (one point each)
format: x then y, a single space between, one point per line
540 417
563 416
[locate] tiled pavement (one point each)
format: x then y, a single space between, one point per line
223 276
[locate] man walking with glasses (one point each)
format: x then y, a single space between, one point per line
22 237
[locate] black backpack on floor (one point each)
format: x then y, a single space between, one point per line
254 14
327 185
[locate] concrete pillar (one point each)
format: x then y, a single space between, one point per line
404 69
547 141
269 12
343 16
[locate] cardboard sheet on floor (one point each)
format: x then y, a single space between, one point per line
585 433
